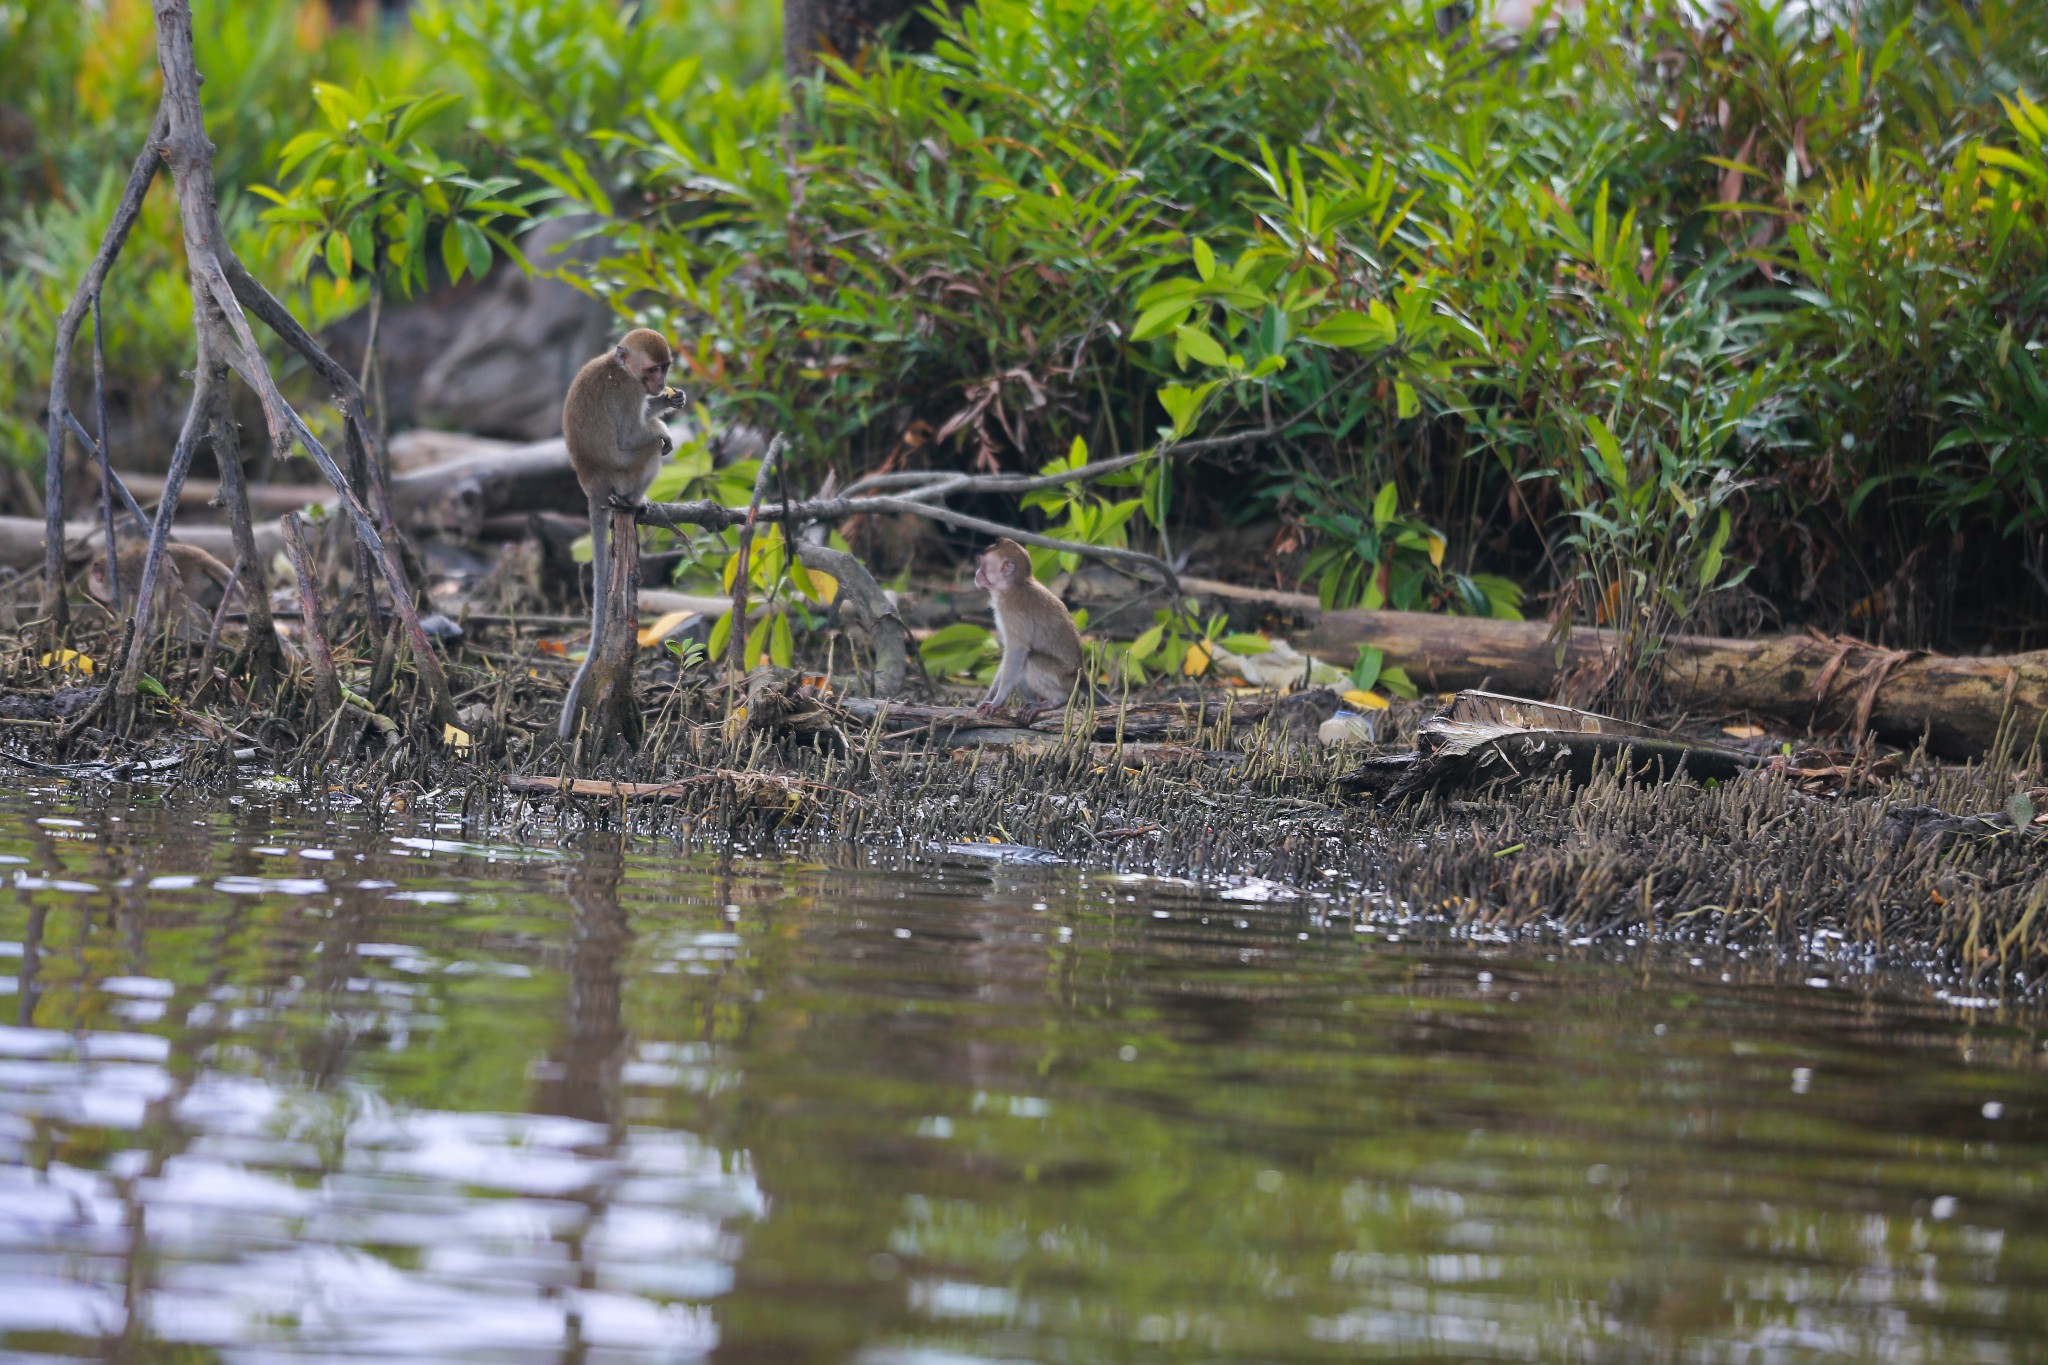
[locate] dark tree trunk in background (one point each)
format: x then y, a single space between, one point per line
844 27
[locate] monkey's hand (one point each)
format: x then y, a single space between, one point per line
1030 711
988 706
621 503
667 444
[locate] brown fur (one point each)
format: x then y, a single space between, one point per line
1041 647
611 421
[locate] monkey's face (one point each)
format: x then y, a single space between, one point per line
645 356
994 571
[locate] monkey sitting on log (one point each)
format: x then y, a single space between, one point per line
612 424
1041 647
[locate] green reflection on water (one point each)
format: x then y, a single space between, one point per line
432 1098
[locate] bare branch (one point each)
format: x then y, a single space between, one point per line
143 520
939 483
717 517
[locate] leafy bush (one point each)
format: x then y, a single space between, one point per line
1623 315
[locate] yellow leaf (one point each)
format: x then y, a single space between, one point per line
659 631
1369 701
456 738
68 661
1436 551
825 587
1197 661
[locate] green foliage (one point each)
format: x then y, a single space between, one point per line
544 78
779 584
1791 265
960 649
1077 512
363 194
1178 643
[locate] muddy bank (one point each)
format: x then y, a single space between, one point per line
1889 859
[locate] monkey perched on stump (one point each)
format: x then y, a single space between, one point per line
611 421
1041 647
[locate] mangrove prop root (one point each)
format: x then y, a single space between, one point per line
217 281
55 610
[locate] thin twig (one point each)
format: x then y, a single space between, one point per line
735 648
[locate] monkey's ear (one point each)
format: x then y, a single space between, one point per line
619 353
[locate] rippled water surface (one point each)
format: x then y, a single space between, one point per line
275 1083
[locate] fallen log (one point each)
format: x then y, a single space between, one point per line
455 498
21 540
1484 739
198 496
1824 683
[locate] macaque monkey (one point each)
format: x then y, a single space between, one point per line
611 421
189 585
1041 648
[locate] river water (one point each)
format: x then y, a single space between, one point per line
276 1083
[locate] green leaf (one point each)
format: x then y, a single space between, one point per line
1614 466
452 255
958 648
1710 562
1386 504
476 249
1246 645
721 633
1356 331
1202 347
1367 670
757 641
150 687
781 644
1205 260
1144 646
1161 318
1406 404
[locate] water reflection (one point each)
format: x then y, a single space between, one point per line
282 1085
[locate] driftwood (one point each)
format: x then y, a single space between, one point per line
1484 739
1957 703
21 541
201 496
861 602
455 498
